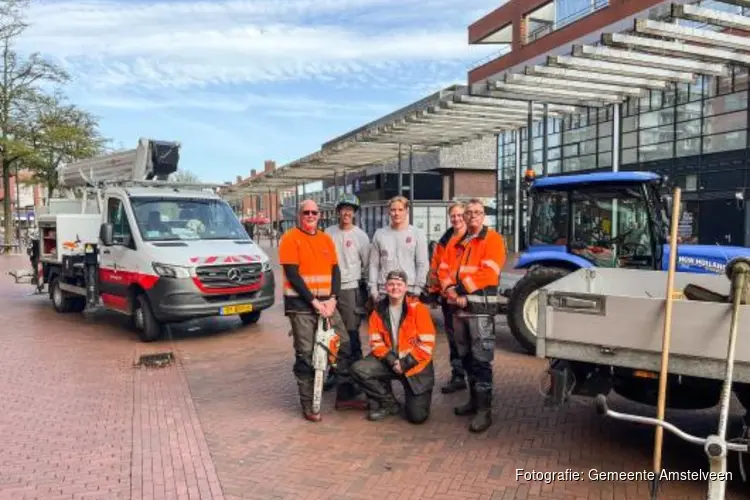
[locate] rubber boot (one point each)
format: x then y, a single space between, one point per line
469 408
483 418
457 383
380 410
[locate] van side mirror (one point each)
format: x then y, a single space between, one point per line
106 234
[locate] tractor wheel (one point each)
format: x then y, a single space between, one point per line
523 305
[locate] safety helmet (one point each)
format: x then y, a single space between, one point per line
348 199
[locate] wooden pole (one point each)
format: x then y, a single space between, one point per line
676 201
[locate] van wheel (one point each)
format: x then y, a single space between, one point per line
62 301
523 305
250 318
144 322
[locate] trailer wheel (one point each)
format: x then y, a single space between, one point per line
523 305
144 322
250 318
62 301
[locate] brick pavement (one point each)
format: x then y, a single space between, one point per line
79 421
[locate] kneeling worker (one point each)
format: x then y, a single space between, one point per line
402 338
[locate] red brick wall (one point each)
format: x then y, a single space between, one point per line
467 184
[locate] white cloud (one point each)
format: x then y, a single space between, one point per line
196 43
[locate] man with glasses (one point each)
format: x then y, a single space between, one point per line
455 233
469 277
398 246
312 283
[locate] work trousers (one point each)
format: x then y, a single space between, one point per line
457 368
375 379
350 307
304 326
475 340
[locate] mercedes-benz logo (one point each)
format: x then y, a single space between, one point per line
234 275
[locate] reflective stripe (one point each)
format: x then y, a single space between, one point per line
469 284
402 353
489 299
376 336
492 265
425 348
468 269
425 337
291 292
443 265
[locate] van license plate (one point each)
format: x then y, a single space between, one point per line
239 309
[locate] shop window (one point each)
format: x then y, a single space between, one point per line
724 142
656 135
689 129
629 156
688 147
725 104
725 123
689 111
656 152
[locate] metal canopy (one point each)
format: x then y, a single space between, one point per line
655 55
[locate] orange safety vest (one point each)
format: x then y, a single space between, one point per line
433 280
473 267
315 254
416 339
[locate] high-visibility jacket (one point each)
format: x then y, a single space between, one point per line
310 268
415 341
448 238
472 265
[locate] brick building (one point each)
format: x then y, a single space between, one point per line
258 205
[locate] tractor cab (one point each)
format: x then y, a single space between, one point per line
612 219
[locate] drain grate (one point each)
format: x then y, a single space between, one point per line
156 360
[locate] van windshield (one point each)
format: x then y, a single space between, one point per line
165 219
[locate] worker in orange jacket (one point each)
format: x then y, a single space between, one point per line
469 277
456 232
402 340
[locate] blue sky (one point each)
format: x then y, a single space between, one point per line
242 81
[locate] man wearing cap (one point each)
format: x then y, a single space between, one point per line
353 250
402 339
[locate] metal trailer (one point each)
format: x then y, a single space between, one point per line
602 330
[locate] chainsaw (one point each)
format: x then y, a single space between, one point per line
324 357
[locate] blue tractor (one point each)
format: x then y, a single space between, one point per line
612 219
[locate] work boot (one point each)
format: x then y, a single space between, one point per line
483 418
330 381
308 414
379 411
349 397
469 408
457 383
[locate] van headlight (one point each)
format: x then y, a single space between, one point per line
170 271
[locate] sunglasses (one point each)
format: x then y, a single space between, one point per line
310 212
